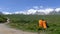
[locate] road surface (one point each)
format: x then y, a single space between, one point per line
6 30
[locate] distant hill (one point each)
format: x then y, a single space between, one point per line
36 13
39 13
54 13
1 13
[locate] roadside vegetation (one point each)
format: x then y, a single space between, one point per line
30 22
2 19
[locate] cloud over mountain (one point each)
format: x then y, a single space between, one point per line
33 11
6 13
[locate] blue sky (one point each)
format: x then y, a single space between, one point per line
21 5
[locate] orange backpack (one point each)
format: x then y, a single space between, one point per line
40 23
44 25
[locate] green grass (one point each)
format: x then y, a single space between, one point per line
30 22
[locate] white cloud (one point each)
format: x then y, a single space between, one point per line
20 12
57 9
31 11
35 7
17 12
6 12
46 11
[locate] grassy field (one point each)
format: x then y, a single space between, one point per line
30 22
